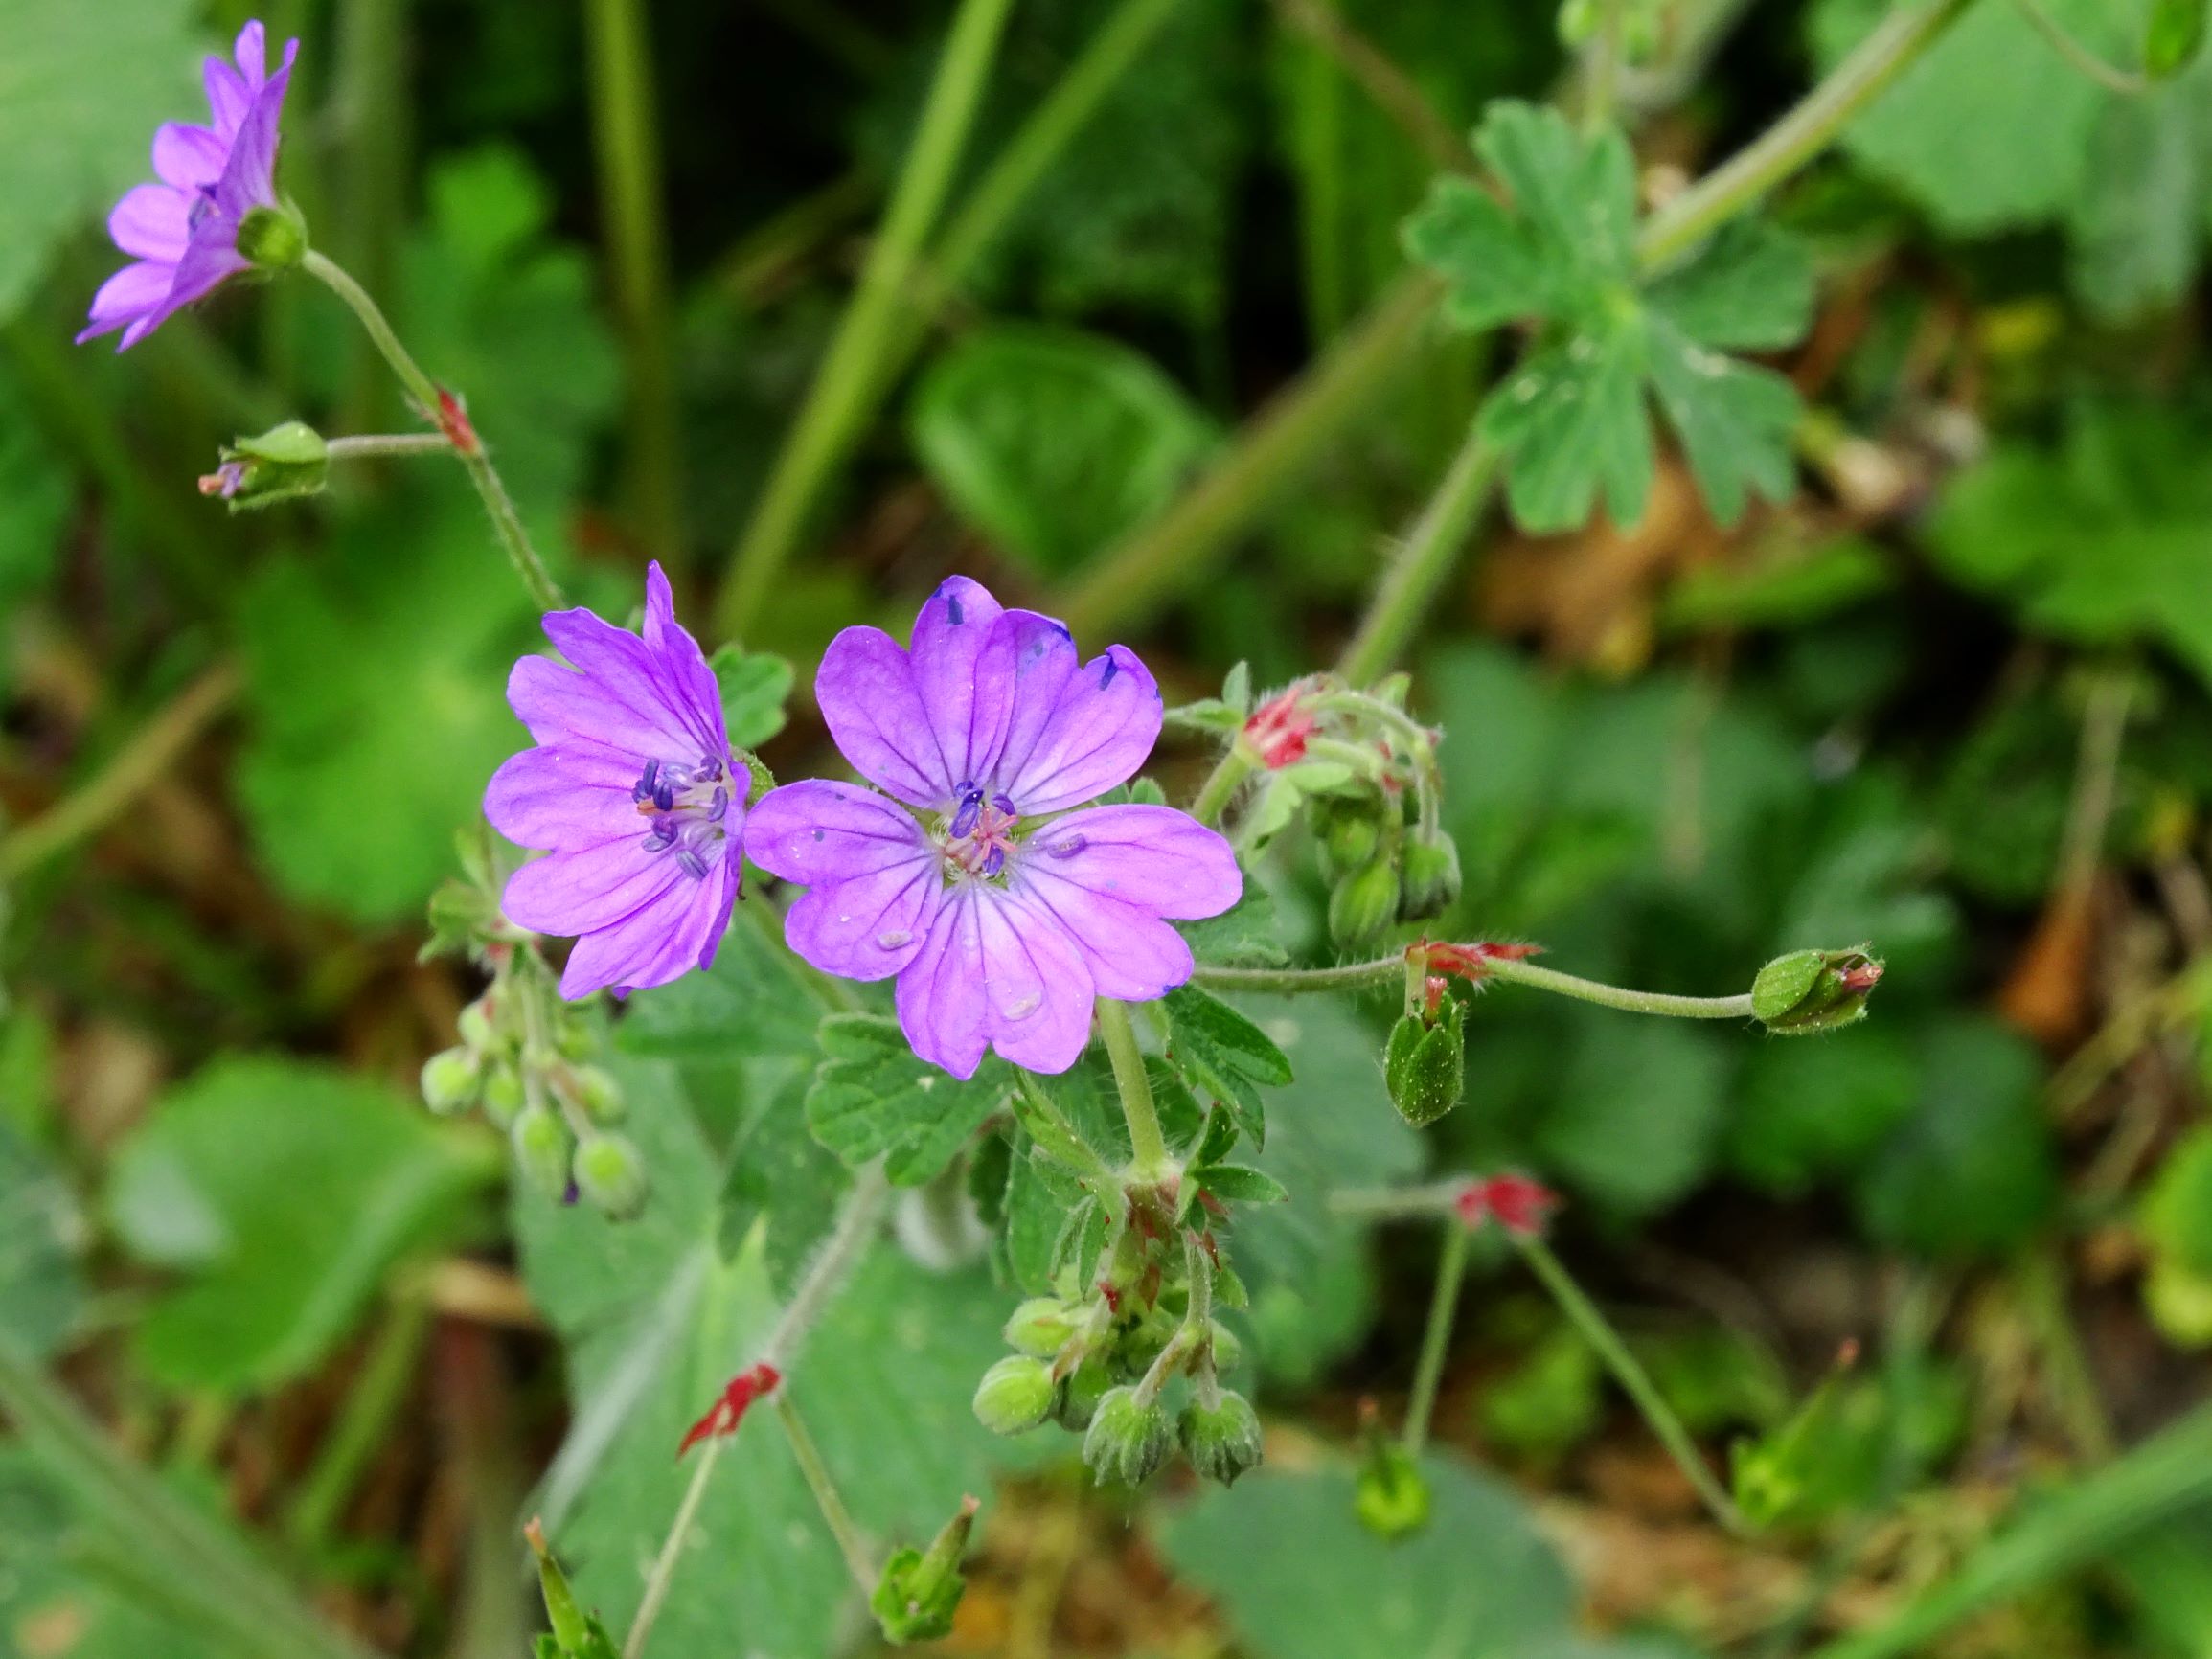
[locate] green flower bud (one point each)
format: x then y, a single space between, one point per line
1351 833
542 1148
477 1030
1228 1348
1392 1497
1040 1326
284 463
1431 872
1127 1437
503 1094
1364 904
1076 1400
915 1598
1015 1395
1813 990
1424 1065
611 1172
451 1078
600 1095
576 1633
1222 1441
273 238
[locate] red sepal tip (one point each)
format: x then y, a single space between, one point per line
729 1410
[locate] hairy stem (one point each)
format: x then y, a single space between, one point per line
1598 1332
1390 969
838 403
664 1565
1223 784
1418 570
133 769
505 522
370 446
1436 1339
2080 58
1393 91
1148 1147
834 1514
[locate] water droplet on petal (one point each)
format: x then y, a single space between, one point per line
897 939
1026 1007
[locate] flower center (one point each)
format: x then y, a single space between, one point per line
687 804
978 837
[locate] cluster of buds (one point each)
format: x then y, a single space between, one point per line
525 1058
1100 1364
1365 773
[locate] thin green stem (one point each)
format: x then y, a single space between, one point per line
505 522
834 1514
1801 134
837 403
1417 571
1436 1339
1388 969
1598 1332
1222 782
370 110
664 1565
1391 90
374 446
133 769
363 1426
1398 1203
2080 58
1602 67
1149 1158
624 134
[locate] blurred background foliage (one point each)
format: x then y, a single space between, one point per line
1175 381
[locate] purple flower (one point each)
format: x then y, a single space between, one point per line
1002 913
183 232
632 790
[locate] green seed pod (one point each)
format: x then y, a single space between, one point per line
1431 873
1813 990
477 1028
1127 1437
541 1146
611 1172
451 1080
1015 1395
1350 833
1424 1065
1076 1400
1364 904
503 1094
273 238
600 1095
1222 1441
1041 1326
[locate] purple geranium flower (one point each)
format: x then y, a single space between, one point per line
632 789
1002 913
184 231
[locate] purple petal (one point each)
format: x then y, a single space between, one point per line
251 51
1132 955
865 687
249 173
212 260
869 927
558 704
188 157
1036 988
590 888
567 794
684 674
125 297
818 832
941 1005
618 662
967 720
153 222
1154 858
1029 663
660 942
229 97
1100 726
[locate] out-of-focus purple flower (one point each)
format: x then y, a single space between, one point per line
183 232
632 791
1002 913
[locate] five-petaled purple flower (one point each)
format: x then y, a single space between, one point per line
183 232
1002 913
633 789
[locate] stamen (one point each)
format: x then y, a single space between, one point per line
994 861
691 864
970 809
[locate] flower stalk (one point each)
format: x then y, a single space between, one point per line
1391 969
1149 1159
838 1518
1436 1339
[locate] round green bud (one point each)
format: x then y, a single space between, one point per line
1228 1347
1424 1067
1431 874
574 1041
611 1172
273 238
1223 1440
1015 1395
600 1095
1077 1398
477 1028
1813 990
542 1148
1392 1497
1127 1437
503 1094
1364 904
452 1080
1041 1326
1350 837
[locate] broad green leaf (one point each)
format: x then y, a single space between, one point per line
1809 1110
755 685
1054 442
1734 420
1236 1184
873 1098
279 1192
2136 234
1225 1056
1749 290
781 1181
1494 266
1973 1170
81 89
1577 191
374 682
1298 1576
1572 419
1638 1111
42 1242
